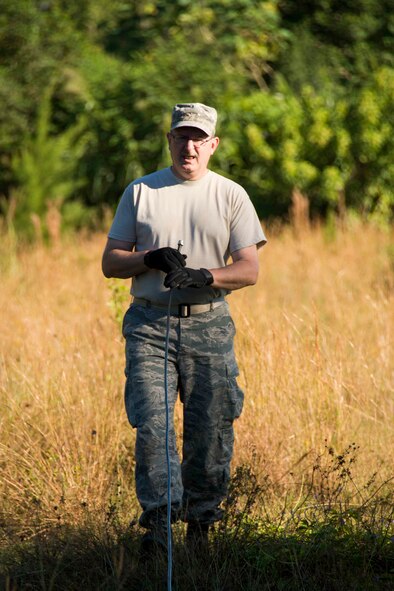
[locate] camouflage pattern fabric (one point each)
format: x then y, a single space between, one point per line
202 367
194 115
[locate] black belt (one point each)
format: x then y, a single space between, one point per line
181 310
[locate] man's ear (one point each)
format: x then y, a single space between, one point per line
214 144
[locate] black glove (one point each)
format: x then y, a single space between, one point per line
186 277
165 259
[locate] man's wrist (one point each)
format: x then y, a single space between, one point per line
145 258
208 276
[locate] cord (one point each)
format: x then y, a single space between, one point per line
169 534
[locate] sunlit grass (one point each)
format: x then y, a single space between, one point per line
314 344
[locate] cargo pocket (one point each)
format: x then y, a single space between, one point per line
234 395
129 396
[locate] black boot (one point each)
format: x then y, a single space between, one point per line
197 535
155 540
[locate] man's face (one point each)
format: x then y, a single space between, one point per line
189 160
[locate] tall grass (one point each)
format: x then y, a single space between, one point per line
314 345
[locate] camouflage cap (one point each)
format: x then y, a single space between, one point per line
194 115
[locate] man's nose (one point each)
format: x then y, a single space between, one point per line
189 145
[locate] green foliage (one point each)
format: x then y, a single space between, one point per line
371 121
36 40
76 216
281 141
349 39
120 297
304 93
45 166
101 87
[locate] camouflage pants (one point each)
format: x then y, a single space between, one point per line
203 369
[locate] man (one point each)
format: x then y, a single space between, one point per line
215 219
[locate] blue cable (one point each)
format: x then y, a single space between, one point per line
169 536
169 533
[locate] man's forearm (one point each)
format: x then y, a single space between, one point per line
236 275
123 264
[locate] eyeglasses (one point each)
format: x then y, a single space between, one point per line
184 139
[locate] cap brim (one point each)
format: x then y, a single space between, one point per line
203 128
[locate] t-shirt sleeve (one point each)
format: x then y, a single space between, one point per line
124 223
245 226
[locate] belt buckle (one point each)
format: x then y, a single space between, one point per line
184 310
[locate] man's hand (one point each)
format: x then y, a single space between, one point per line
186 277
165 259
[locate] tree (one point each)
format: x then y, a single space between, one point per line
45 167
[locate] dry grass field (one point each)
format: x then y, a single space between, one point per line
315 351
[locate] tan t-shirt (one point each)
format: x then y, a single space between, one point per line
213 216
